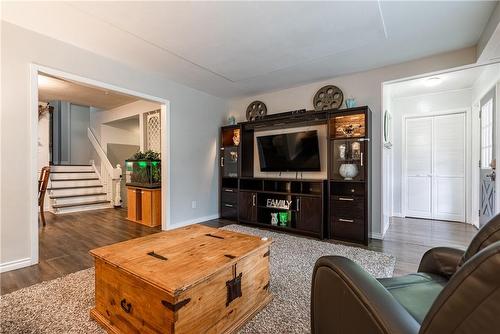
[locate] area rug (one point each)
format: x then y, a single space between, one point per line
62 305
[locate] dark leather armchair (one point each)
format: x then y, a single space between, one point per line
452 292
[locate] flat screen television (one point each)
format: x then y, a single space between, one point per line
289 152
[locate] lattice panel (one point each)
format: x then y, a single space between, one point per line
153 131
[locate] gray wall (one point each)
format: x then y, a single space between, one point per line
195 120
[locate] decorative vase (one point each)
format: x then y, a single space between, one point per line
348 171
350 102
274 218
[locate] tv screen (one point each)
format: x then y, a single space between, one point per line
289 152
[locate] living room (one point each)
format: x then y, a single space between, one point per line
276 160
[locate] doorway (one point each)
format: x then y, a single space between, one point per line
434 167
432 102
164 108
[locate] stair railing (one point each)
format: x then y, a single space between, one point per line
110 176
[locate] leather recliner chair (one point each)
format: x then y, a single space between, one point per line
452 292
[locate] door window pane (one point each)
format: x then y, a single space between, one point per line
487 134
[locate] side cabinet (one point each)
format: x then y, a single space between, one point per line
248 206
350 174
310 216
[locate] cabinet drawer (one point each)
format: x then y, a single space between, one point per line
229 211
348 207
348 228
229 195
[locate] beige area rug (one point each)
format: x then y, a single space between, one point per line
62 305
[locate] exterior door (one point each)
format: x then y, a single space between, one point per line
487 164
435 167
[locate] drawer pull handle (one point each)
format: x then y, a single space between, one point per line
229 190
228 205
346 220
346 199
127 307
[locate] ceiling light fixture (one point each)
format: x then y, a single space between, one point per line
43 80
432 82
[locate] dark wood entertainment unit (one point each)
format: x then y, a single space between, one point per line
337 207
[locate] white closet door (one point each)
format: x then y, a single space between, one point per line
449 167
419 167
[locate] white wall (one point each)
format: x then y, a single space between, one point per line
366 87
131 109
195 120
413 106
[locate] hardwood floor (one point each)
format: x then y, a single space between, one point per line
66 240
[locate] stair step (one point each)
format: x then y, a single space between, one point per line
66 172
77 195
58 206
79 179
74 187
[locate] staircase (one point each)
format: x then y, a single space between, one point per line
76 188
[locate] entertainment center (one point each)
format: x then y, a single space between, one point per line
332 201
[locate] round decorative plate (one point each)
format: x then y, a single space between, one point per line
328 97
255 110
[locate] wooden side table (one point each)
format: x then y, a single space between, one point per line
144 205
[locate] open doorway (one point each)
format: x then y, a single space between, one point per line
436 130
84 132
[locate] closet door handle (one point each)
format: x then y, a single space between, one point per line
253 199
222 161
298 204
346 220
361 159
346 199
228 205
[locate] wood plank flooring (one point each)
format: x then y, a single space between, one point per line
66 241
67 238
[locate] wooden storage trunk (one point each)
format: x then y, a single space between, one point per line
194 279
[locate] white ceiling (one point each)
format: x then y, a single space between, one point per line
462 79
233 49
50 88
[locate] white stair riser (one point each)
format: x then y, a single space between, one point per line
83 208
73 183
78 191
71 168
71 176
71 200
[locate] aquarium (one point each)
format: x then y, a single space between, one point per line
143 173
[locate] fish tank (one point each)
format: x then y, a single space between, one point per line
143 173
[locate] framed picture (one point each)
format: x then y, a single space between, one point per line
387 129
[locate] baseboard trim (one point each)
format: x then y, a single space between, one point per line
16 264
193 221
380 236
398 214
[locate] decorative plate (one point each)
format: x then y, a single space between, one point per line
256 110
328 97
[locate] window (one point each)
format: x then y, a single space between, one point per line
487 133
